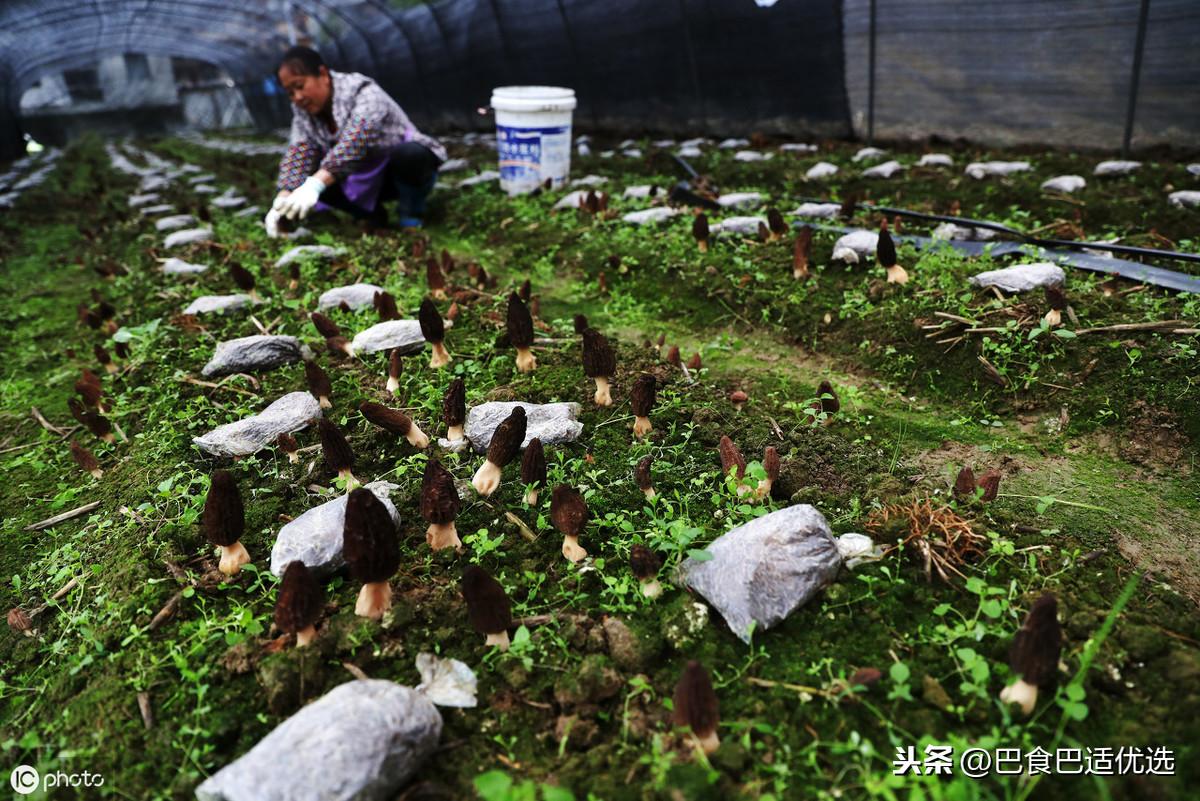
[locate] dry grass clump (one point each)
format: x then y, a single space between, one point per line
934 532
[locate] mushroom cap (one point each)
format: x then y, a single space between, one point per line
385 305
519 322
1037 644
300 598
224 517
771 462
696 705
641 397
700 227
391 420
369 542
243 278
990 482
77 411
568 511
673 356
325 326
738 396
830 405
1056 298
731 457
338 456
101 353
318 381
533 463
439 496
885 250
802 249
694 363
526 290
91 393
964 484
83 457
849 206
287 443
454 403
507 438
581 323
641 473
599 361
488 606
644 562
432 327
122 349
433 274
776 222
395 363
98 424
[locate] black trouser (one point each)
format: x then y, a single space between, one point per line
408 179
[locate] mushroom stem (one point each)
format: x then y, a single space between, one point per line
486 479
293 457
232 558
1020 693
323 402
110 367
455 433
764 489
526 362
351 481
702 244
416 437
500 640
374 599
253 293
709 743
1053 318
651 588
293 285
649 492
897 275
642 426
305 636
440 357
443 535
109 438
602 397
531 497
97 473
572 549
393 384
438 294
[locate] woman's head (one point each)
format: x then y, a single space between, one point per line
305 78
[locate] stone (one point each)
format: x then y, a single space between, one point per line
867 153
1022 277
689 152
797 147
629 650
1064 183
160 208
204 178
822 169
884 170
572 200
647 216
315 537
175 266
249 211
173 222
740 200
632 153
322 252
935 160
595 680
589 180
253 354
482 178
454 165
361 741
1184 197
825 211
982 169
738 225
228 201
209 304
554 423
856 549
189 236
403 334
204 189
855 247
1194 169
639 192
752 155
732 144
287 414
683 625
762 571
142 200
447 682
950 232
356 296
1117 167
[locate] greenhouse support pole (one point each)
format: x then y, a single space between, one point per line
1135 78
871 76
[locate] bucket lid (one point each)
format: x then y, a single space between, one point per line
533 98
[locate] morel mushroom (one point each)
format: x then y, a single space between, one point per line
86 461
294 276
224 521
488 607
733 463
122 349
506 441
385 306
318 384
338 456
776 224
88 387
568 512
645 565
434 331
299 604
738 398
771 465
454 410
696 706
439 507
599 364
581 324
525 292
244 279
371 550
20 621
989 482
325 326
104 358
95 423
641 398
700 231
885 253
533 470
395 367
520 333
395 422
287 443
694 363
1034 654
673 357
1058 304
641 475
435 279
801 253
964 484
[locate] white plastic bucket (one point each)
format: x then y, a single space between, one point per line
533 135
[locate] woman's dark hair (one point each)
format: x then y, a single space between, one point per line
302 60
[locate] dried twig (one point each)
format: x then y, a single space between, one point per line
143 699
1135 327
46 424
59 518
210 385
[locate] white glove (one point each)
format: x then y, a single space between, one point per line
300 202
271 222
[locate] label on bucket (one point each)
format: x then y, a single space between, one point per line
528 156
